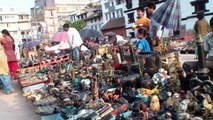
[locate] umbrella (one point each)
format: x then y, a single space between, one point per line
168 15
110 34
90 33
60 36
31 44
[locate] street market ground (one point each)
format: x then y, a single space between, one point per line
16 107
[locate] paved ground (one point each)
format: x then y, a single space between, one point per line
15 106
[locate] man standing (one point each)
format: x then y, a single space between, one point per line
155 31
75 41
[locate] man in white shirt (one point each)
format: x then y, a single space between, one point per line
75 41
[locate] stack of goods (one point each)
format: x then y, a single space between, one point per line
94 90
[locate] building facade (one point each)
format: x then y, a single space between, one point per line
94 20
44 22
92 15
50 15
112 11
18 24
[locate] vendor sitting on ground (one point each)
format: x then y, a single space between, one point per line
191 66
142 45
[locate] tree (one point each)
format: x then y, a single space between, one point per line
79 24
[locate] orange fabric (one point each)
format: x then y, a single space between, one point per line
145 21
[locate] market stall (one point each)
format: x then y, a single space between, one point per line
139 89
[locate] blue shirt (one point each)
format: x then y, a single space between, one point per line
143 45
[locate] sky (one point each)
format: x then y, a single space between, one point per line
20 5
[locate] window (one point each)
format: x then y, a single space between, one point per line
51 13
0 18
109 15
113 14
91 20
106 16
121 11
107 5
0 9
96 28
112 3
131 18
11 9
95 19
118 13
118 2
132 34
21 17
128 4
